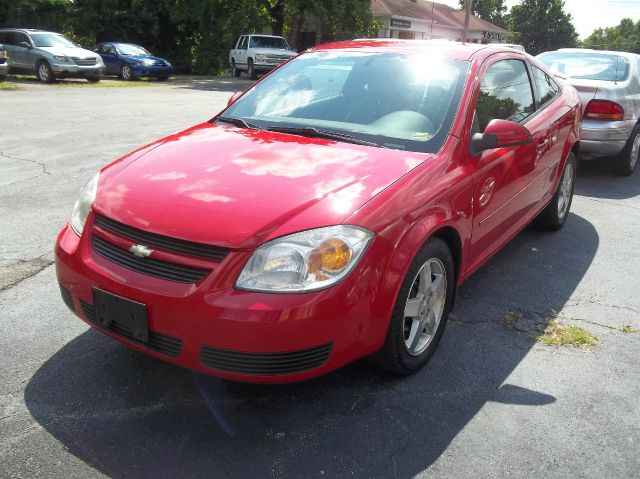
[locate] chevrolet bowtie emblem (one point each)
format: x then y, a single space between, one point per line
141 251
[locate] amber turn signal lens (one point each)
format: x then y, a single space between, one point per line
331 256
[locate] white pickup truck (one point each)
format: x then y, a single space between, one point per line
258 53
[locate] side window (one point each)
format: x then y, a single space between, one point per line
109 49
243 43
505 93
547 87
21 37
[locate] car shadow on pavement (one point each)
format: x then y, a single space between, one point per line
126 414
595 178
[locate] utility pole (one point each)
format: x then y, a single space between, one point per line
466 22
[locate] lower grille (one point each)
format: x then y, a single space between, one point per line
264 364
160 269
157 342
84 62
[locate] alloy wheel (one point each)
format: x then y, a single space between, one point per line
424 306
566 190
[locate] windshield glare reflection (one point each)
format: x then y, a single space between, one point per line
395 100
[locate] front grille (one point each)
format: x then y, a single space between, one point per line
159 269
166 243
160 343
84 62
264 364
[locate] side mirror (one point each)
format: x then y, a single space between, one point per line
500 134
25 44
234 97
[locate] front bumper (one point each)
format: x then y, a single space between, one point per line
267 66
151 71
213 328
77 71
604 138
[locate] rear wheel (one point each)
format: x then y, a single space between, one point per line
44 73
93 79
421 310
251 71
625 163
163 78
125 72
234 69
555 214
1 78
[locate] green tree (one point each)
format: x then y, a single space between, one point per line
542 25
490 10
623 37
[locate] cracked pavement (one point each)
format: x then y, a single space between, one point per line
491 402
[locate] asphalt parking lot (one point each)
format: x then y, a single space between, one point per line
491 403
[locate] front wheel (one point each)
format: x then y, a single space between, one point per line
421 310
44 73
555 214
625 163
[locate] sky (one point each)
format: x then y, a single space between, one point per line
588 14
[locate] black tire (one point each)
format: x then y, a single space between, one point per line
44 72
93 79
163 78
251 71
555 214
234 70
126 73
2 77
625 163
394 355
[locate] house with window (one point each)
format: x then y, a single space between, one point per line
421 19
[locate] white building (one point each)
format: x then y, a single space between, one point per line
420 19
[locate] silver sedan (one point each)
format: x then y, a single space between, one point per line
609 86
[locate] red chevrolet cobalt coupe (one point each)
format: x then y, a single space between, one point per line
327 214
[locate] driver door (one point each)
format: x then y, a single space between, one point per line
508 182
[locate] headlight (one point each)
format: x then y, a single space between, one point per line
61 58
261 57
148 62
83 205
306 261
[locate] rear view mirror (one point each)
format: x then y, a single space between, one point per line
500 134
234 97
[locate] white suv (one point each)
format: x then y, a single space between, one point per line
258 53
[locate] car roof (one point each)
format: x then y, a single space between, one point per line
590 50
449 49
27 30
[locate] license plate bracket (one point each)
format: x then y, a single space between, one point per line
125 313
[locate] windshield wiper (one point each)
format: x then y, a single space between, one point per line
330 135
238 122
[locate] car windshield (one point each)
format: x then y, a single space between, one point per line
391 99
127 49
587 66
51 40
268 42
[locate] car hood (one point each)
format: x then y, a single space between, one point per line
70 52
274 51
238 188
144 57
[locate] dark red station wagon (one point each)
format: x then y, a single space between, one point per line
327 214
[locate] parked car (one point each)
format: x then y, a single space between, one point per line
258 53
327 214
129 61
609 86
515 46
49 56
4 66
